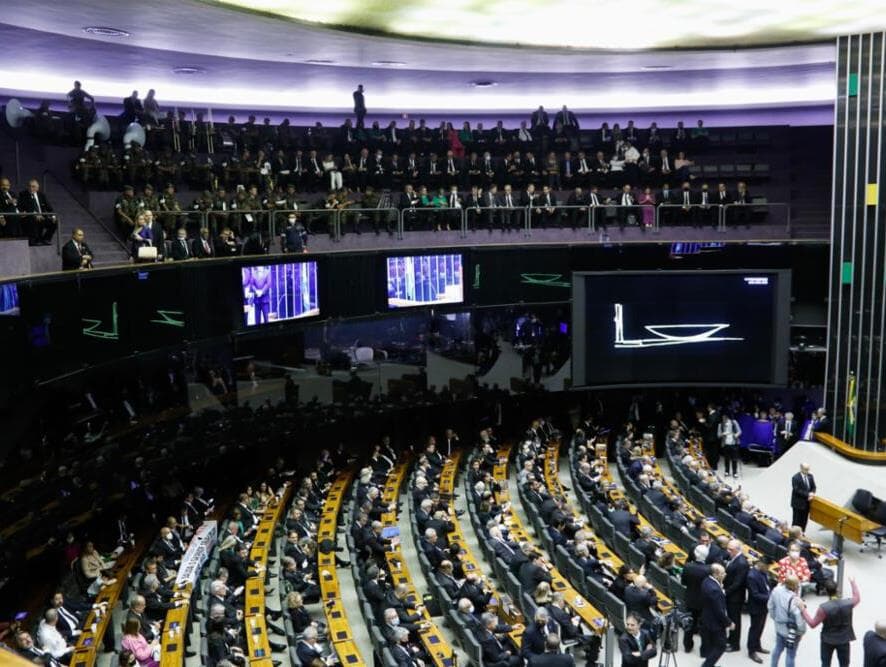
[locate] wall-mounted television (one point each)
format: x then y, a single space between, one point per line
425 280
279 292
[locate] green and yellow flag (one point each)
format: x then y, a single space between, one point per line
851 400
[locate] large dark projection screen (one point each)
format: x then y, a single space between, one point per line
680 327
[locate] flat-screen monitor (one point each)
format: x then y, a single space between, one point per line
9 304
425 280
680 328
279 292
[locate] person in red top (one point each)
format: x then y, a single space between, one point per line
793 564
835 617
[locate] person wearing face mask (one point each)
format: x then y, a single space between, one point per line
794 565
294 237
533 640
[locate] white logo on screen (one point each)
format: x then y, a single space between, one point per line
669 334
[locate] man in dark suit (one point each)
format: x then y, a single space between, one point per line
717 551
715 621
533 572
41 225
640 600
786 433
307 648
181 247
497 651
446 579
539 119
692 578
636 645
137 607
552 657
359 105
203 247
532 643
624 522
432 551
735 587
568 120
875 646
802 492
758 600
75 253
70 615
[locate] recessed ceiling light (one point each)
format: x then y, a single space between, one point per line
319 61
484 83
388 63
104 31
658 67
188 69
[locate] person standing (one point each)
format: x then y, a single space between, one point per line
835 617
802 492
693 576
735 587
758 599
75 253
636 645
786 609
715 621
359 106
729 432
875 646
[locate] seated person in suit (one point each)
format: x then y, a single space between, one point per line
446 579
552 657
310 652
533 572
498 650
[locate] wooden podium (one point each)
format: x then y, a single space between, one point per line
845 523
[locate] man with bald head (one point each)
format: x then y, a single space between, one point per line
875 645
715 621
802 492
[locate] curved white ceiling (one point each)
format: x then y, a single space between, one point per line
590 24
262 61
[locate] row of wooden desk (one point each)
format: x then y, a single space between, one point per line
432 639
340 635
604 554
96 625
589 614
469 563
257 640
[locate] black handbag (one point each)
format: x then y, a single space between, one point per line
790 639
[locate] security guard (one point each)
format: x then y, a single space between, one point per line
126 209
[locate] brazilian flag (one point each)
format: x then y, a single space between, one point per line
851 401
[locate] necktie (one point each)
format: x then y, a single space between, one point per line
37 203
665 165
79 249
686 197
451 166
452 203
704 198
185 246
509 201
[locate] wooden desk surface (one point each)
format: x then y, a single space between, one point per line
432 639
257 641
604 554
172 646
469 563
849 524
88 642
589 614
849 451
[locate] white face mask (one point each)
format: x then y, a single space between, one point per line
795 555
395 621
471 609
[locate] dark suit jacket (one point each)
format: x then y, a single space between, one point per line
713 611
493 649
201 252
531 575
448 584
640 601
144 625
693 576
26 203
182 252
71 258
800 491
627 645
307 653
716 555
624 522
874 650
758 592
736 579
552 660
